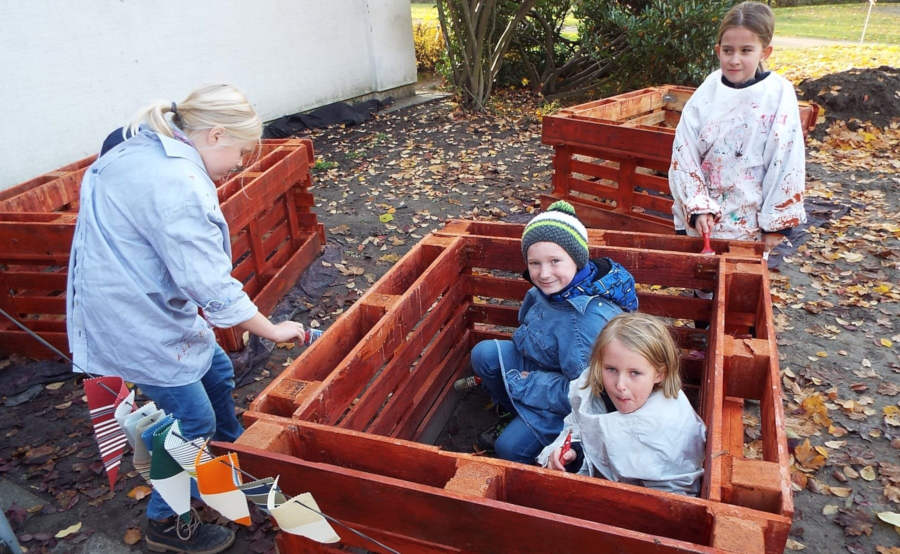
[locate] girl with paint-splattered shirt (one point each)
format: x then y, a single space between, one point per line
738 161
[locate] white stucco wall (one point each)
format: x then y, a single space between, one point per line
73 71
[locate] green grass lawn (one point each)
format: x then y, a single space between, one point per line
835 22
841 22
423 11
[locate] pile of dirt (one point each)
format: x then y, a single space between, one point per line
871 94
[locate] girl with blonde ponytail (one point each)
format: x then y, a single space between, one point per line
151 249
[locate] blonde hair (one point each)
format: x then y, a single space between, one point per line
645 335
756 17
205 108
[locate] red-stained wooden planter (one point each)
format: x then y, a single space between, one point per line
612 157
274 237
352 419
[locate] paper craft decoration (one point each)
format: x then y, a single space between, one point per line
185 451
296 518
104 394
123 409
141 461
258 493
130 421
217 480
168 478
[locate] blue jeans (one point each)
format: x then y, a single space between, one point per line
204 408
517 442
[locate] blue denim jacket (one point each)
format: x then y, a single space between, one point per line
151 246
554 340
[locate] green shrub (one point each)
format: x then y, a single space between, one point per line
429 45
653 42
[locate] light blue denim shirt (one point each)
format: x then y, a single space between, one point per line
151 246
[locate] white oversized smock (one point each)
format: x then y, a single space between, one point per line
660 445
739 154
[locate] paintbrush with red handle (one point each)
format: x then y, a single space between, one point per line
707 249
567 445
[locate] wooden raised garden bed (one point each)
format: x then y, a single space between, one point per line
353 419
274 237
611 157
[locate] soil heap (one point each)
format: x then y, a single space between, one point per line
871 94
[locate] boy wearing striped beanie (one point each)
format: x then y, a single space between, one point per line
572 299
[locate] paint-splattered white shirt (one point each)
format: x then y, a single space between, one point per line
739 155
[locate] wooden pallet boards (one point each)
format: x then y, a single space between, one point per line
348 418
274 237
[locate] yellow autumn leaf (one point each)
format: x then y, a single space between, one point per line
70 530
807 457
822 354
814 407
886 342
54 386
867 473
139 492
892 415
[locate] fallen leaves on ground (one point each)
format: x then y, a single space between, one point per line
796 64
132 536
70 530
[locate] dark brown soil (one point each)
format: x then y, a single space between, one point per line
865 94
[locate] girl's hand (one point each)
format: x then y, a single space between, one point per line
772 240
704 223
287 331
567 458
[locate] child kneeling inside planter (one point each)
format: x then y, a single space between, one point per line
572 299
630 420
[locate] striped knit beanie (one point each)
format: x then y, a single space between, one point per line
559 225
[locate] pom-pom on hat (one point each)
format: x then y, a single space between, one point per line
558 225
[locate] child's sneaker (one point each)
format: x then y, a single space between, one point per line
174 535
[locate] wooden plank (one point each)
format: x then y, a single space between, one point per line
50 196
445 518
33 280
36 304
432 361
21 342
746 365
666 269
651 119
594 214
34 239
497 287
428 386
713 395
398 368
601 169
733 427
346 381
619 140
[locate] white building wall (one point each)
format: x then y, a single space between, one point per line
70 72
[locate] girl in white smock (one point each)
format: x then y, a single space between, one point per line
738 160
630 420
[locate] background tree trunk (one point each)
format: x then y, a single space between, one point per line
477 35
